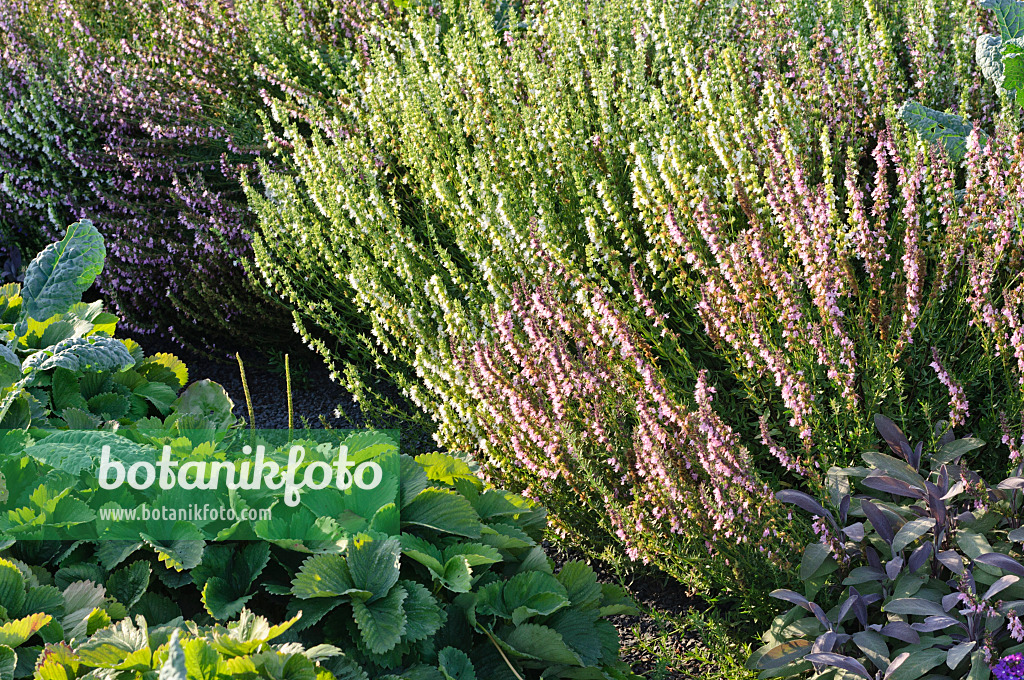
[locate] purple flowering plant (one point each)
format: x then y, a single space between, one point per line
142 118
1010 667
790 262
148 137
916 570
590 423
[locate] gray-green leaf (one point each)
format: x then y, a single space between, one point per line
59 275
937 127
83 354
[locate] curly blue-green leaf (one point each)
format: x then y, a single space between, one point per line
59 275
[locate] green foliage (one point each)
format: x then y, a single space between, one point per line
947 129
713 184
999 58
464 587
473 595
60 366
247 648
915 556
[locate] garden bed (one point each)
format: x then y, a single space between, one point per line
645 636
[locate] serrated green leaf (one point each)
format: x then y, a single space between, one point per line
505 536
441 467
45 600
374 565
121 646
174 667
540 643
247 634
457 575
127 585
165 368
424 615
424 552
325 576
382 622
455 665
159 394
580 583
412 479
57 662
12 587
221 600
16 632
534 593
200 659
476 554
82 596
577 630
65 391
8 662
112 553
157 609
97 619
77 419
182 553
443 510
109 406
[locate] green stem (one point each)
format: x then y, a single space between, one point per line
288 385
500 651
248 398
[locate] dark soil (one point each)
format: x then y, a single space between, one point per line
652 591
316 399
313 393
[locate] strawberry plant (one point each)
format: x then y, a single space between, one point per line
459 587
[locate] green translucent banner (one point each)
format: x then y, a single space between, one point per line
307 490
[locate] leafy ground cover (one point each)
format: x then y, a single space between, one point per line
455 586
672 636
657 263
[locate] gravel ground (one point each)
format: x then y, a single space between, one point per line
315 395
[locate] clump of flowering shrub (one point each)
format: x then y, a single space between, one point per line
139 117
730 184
927 553
573 407
149 142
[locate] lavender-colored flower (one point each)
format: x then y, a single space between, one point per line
1009 668
958 407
